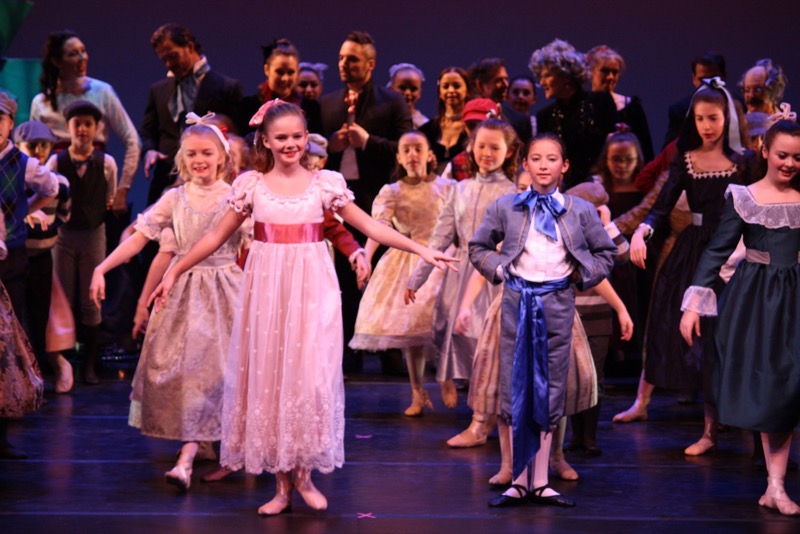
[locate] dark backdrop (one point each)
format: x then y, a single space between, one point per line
657 39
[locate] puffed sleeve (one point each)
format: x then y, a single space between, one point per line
700 297
167 241
242 191
383 206
158 216
335 194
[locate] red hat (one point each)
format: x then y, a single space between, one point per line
480 109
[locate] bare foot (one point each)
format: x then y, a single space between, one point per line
502 478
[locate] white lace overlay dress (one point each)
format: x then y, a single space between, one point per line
284 393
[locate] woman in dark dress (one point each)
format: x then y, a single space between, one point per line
446 133
281 68
605 67
581 119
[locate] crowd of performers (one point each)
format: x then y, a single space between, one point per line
523 250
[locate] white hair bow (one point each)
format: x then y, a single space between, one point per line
205 120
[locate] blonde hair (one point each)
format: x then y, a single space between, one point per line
225 167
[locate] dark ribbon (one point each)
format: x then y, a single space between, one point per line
530 400
546 210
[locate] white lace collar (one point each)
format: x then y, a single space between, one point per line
768 215
707 174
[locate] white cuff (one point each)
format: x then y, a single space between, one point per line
612 230
701 300
352 258
648 231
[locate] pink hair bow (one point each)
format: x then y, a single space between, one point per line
785 114
258 118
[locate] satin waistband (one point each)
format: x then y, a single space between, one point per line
286 234
697 219
213 262
761 256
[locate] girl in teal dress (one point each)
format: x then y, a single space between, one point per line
757 377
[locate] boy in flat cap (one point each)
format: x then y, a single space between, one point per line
51 326
18 172
81 246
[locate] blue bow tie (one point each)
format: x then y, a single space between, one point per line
546 210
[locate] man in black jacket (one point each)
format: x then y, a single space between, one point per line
363 122
190 85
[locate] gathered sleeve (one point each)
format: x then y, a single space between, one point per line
700 297
159 216
631 219
383 207
167 241
242 191
334 191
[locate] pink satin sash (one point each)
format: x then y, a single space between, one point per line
287 233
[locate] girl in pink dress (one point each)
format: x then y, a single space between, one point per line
283 407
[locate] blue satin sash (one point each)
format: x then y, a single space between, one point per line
530 400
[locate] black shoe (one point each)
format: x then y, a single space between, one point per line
506 501
574 447
592 451
553 500
90 377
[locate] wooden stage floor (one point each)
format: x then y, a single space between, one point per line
87 471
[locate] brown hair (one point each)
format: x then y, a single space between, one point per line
440 107
53 50
782 127
225 168
601 166
180 35
279 47
399 171
262 159
511 162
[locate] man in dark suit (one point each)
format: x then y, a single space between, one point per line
363 122
191 85
490 79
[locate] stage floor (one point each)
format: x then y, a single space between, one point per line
88 471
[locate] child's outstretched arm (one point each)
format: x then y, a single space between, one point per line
157 269
606 290
392 238
201 250
474 285
124 252
442 237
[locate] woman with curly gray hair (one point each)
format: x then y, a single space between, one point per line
580 118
